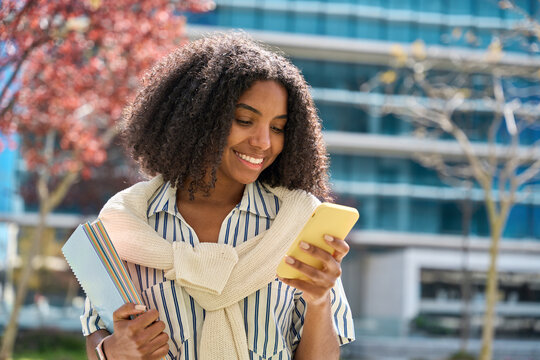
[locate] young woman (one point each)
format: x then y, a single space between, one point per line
229 131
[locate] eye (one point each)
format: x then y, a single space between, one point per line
243 122
277 130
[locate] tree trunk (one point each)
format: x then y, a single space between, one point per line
48 201
8 340
465 325
488 329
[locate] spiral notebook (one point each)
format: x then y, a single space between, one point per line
100 271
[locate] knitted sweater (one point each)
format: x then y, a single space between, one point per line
217 276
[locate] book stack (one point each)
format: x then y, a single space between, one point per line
100 271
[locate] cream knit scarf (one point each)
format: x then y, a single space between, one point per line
217 276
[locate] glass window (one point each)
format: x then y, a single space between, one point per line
391 124
367 2
387 213
469 38
356 202
389 170
527 5
274 20
424 216
339 167
536 221
342 118
447 36
511 15
207 18
338 26
480 223
364 73
519 222
421 175
400 4
430 34
244 18
400 31
451 218
311 69
430 6
224 16
339 76
458 7
485 37
487 8
371 29
475 124
529 135
363 211
479 83
306 23
362 168
517 43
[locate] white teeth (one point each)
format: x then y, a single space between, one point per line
250 159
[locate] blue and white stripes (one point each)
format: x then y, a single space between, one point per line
273 315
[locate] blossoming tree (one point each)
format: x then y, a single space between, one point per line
66 70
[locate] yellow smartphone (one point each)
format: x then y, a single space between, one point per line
332 219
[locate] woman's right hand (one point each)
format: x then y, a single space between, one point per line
140 338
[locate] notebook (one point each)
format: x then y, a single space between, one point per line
100 271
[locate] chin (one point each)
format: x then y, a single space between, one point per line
246 181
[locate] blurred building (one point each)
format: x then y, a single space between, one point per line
405 272
9 202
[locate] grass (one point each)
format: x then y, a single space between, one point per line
49 344
51 355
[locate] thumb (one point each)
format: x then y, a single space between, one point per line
125 311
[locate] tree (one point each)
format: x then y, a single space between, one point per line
66 69
490 106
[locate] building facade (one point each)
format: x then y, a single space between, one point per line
9 202
409 250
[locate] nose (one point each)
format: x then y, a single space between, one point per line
260 138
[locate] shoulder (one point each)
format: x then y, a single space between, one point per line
136 197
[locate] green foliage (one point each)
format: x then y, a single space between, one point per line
429 326
461 355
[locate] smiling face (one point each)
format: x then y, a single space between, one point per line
256 137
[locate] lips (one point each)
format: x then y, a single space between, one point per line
255 162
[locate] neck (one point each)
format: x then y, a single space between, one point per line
222 194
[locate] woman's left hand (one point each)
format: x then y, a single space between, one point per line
317 288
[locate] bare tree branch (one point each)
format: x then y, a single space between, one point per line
9 106
19 65
528 174
59 193
13 75
492 138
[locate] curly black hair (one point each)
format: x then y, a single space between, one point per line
180 119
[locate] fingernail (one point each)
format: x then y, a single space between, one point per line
140 307
289 260
328 238
304 245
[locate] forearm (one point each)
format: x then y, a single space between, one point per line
92 341
319 339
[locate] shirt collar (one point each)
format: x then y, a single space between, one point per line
257 199
163 200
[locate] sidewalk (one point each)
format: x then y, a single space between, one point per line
380 348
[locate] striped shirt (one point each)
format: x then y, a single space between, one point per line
273 315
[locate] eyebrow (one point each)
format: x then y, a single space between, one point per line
252 109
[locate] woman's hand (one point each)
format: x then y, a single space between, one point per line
317 289
140 338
